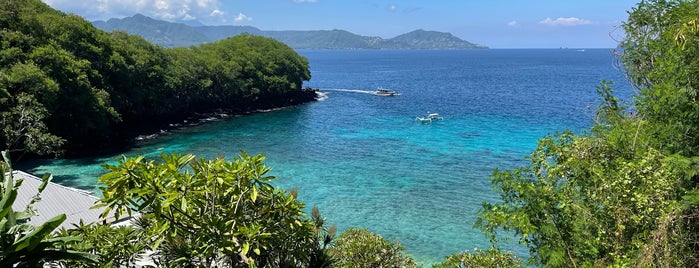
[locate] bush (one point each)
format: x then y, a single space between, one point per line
492 257
362 248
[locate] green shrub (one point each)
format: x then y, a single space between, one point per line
492 257
362 248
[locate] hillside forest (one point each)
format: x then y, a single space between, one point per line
67 87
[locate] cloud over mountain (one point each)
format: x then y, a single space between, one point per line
242 17
572 21
203 10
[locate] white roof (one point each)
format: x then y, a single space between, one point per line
55 200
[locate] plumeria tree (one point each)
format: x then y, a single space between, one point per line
204 213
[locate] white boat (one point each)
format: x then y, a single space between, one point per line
385 92
429 118
435 116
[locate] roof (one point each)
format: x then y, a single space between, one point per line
55 200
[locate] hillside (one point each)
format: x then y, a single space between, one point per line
68 87
169 34
156 31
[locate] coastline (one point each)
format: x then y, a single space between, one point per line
138 129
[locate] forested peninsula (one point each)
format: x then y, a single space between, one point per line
69 88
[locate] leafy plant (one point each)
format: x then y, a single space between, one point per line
116 246
24 245
623 194
492 257
362 248
201 212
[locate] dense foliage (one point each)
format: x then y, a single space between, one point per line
116 246
625 193
491 258
361 248
64 82
214 213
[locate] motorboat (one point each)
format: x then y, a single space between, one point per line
434 116
385 92
429 118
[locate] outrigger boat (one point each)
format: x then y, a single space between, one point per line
385 92
429 118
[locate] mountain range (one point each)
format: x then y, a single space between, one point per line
172 34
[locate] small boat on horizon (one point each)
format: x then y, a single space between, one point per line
385 92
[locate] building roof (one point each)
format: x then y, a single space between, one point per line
55 200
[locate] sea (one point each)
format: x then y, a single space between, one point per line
365 160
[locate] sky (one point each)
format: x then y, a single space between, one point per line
493 23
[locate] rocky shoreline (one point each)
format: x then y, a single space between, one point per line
139 129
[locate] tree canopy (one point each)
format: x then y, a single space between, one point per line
67 86
625 192
214 213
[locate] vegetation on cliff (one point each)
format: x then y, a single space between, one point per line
67 86
626 193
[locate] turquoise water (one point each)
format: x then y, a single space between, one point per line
366 162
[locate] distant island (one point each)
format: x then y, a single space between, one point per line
170 34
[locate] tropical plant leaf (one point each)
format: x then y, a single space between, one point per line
31 240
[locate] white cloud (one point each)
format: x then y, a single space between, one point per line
242 17
572 21
217 13
513 23
203 10
392 8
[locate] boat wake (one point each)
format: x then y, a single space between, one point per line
321 96
350 90
371 92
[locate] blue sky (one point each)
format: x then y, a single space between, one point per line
494 23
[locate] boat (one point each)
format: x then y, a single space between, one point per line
385 92
429 118
435 116
424 120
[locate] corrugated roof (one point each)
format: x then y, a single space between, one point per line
55 200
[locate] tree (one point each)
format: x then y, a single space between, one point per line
660 56
362 248
201 212
23 128
116 246
492 257
579 203
625 193
96 89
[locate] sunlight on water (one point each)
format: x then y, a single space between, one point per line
366 162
